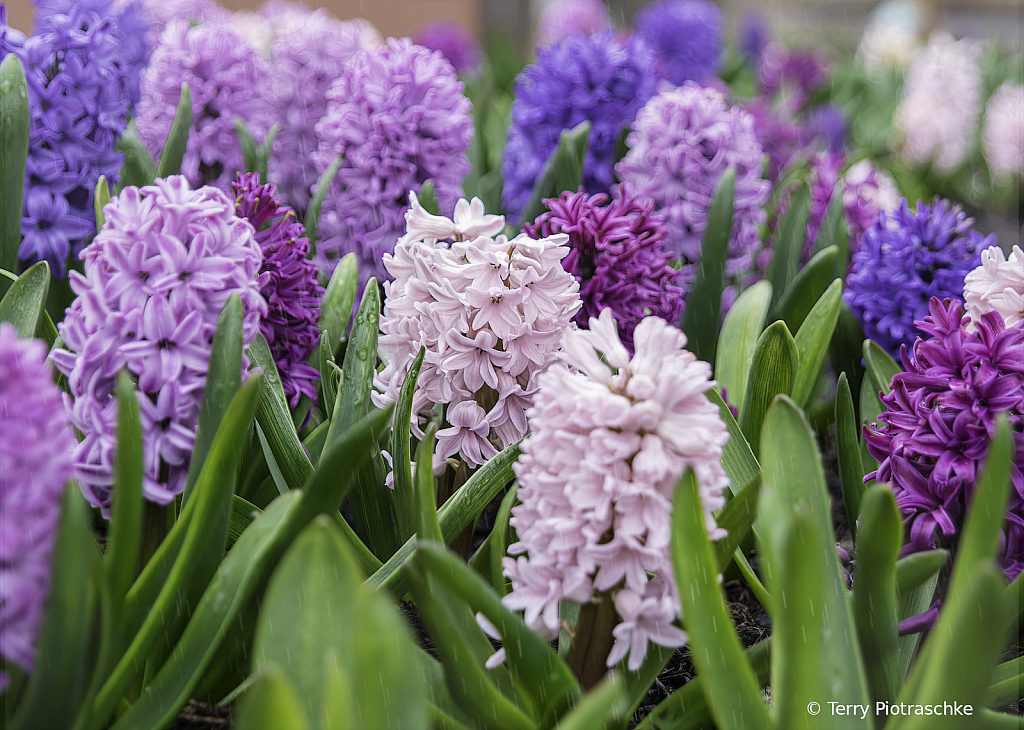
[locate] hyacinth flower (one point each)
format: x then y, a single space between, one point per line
1002 135
940 419
308 51
997 285
686 36
156 278
288 283
227 78
82 67
36 443
454 41
905 259
601 79
560 19
610 436
490 312
752 37
617 255
398 117
680 144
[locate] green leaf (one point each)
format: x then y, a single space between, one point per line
23 303
271 703
874 596
242 515
15 116
602 708
177 139
223 378
498 541
731 688
738 340
428 198
915 569
737 459
704 302
101 200
264 151
250 150
807 287
427 525
851 470
793 480
775 364
268 453
138 168
316 202
405 502
1008 683
68 647
339 298
790 248
562 171
845 349
813 338
125 536
832 232
882 367
736 518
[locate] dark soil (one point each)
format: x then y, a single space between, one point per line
200 716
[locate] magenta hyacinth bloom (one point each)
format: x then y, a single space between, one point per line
227 78
599 78
686 36
940 417
288 282
398 117
905 259
156 278
454 41
682 141
36 442
617 255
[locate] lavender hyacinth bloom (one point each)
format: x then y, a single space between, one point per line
753 36
454 41
12 40
686 36
398 117
904 260
36 442
156 278
288 282
308 51
226 78
617 255
940 418
829 125
560 19
599 78
682 141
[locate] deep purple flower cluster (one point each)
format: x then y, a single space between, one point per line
752 37
599 78
797 72
398 117
156 278
454 41
903 261
36 443
617 254
226 78
780 135
288 282
940 418
82 66
686 36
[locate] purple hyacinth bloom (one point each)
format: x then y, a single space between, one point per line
309 50
686 36
560 19
796 73
753 36
398 117
932 441
12 40
36 442
780 135
617 255
288 281
829 125
156 278
823 181
904 260
454 41
599 78
226 78
682 141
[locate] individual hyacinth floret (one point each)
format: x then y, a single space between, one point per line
686 35
906 258
682 141
601 79
227 78
560 19
1002 135
288 283
398 117
617 255
156 278
932 441
308 53
490 312
997 285
610 436
36 442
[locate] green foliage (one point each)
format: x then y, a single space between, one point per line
323 184
22 305
177 139
738 340
562 171
14 128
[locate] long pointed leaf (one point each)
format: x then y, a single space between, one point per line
736 343
401 468
177 138
323 184
14 129
775 364
790 248
122 557
336 306
138 169
23 303
851 470
808 286
812 341
562 171
101 201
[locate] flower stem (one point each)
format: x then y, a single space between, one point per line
592 641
